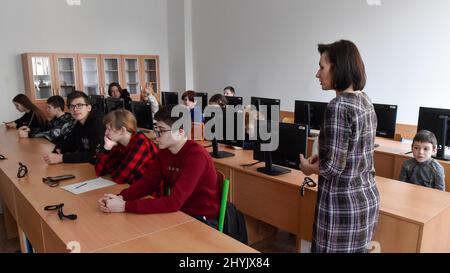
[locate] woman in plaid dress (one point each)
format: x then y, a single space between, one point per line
347 201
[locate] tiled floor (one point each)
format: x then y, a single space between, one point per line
281 242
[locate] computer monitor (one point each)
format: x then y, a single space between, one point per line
143 114
98 103
204 97
217 137
436 120
231 100
113 104
387 119
169 98
292 142
257 101
310 113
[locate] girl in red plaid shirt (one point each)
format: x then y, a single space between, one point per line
127 153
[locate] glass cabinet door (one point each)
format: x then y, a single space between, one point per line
42 76
132 75
111 70
90 74
150 75
66 75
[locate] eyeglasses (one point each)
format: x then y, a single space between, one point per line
61 214
158 133
2 157
53 181
77 106
23 170
307 182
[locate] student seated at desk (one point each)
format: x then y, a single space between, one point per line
188 100
60 124
150 98
115 91
33 117
229 91
422 169
79 145
126 154
184 166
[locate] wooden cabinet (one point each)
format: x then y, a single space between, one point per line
48 74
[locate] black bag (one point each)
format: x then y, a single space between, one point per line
234 224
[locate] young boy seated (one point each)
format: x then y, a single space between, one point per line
80 144
59 125
184 166
422 169
126 154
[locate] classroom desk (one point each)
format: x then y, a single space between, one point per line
25 198
412 218
389 157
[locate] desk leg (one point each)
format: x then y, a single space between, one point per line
10 224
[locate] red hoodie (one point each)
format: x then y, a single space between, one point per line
192 178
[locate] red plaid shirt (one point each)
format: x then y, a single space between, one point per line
127 164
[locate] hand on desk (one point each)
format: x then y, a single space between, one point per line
23 131
10 125
111 203
309 166
53 158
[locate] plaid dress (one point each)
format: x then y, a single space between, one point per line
347 201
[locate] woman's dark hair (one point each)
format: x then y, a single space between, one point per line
189 94
426 137
347 64
26 103
219 99
231 88
77 94
111 85
56 102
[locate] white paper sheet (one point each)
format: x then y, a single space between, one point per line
88 185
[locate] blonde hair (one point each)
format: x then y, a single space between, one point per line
121 118
151 92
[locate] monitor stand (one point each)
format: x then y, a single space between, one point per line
219 154
271 169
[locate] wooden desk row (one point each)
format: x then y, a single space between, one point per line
95 231
412 218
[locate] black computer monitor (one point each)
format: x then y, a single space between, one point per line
387 119
143 114
292 142
436 120
98 103
169 98
232 100
257 101
204 97
217 136
310 113
113 104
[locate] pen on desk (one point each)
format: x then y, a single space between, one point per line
79 186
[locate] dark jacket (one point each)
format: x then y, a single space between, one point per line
80 144
30 120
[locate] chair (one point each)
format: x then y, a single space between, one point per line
224 184
98 103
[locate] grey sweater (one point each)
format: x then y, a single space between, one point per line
429 173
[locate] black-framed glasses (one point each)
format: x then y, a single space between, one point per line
53 181
2 157
307 182
61 214
23 170
158 132
77 106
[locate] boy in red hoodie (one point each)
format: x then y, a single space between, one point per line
184 166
